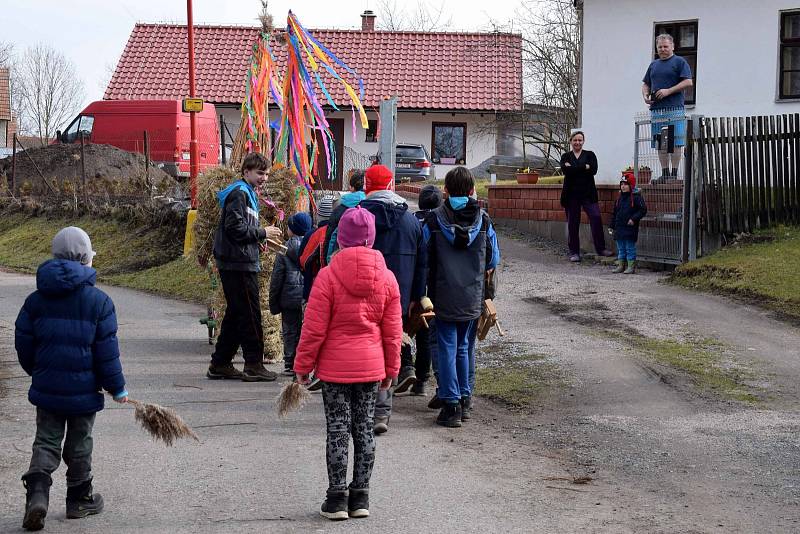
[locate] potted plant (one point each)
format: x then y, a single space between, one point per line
527 176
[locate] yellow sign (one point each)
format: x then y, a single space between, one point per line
192 104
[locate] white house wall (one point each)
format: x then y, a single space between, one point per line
737 65
412 127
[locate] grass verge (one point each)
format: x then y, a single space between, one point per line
519 382
761 269
701 361
127 255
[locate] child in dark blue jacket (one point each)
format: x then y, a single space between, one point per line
629 209
286 289
66 339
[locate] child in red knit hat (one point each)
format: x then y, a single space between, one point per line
628 211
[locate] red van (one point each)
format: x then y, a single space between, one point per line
122 123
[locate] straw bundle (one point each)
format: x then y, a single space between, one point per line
293 396
161 423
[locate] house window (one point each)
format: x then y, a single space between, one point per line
790 55
449 143
685 36
3 133
372 132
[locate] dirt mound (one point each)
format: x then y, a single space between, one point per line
108 170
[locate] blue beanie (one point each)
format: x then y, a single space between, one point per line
300 223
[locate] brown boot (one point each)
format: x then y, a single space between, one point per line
256 372
218 372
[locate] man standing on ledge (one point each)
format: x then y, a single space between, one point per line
664 82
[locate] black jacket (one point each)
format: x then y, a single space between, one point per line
236 241
578 180
286 283
624 212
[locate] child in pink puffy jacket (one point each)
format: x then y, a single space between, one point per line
351 341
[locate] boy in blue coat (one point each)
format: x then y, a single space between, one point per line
66 339
628 211
462 249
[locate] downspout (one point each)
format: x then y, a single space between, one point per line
579 7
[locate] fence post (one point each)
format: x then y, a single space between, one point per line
687 190
147 164
83 164
695 179
222 138
14 164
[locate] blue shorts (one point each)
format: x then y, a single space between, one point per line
662 118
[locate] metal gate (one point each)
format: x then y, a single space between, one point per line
663 140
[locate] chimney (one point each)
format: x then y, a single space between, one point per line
368 21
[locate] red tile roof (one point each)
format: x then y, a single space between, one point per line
452 71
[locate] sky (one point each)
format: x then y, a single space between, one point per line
93 33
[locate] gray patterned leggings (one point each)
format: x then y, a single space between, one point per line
349 410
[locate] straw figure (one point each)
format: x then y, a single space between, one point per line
293 396
161 423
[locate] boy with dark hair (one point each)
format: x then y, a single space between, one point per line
66 339
237 253
462 249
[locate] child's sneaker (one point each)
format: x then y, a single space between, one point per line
358 502
418 389
335 506
407 379
381 425
450 416
435 403
81 502
37 499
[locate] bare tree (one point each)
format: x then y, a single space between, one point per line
6 54
551 52
48 89
422 17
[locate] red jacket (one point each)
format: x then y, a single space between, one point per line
353 326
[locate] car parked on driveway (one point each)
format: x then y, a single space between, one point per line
413 163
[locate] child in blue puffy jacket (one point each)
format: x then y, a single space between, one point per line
629 210
66 340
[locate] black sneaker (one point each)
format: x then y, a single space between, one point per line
450 416
406 379
82 503
466 408
435 403
335 506
358 503
418 389
224 372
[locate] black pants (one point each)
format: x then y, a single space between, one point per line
77 451
242 322
291 325
349 411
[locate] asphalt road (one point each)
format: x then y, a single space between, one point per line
250 470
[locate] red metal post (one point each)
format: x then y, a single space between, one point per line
194 152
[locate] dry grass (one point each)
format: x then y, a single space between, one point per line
162 423
293 396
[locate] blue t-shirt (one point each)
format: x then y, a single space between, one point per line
666 73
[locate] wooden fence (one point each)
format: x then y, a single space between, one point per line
749 172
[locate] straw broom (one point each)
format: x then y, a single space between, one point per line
161 423
293 396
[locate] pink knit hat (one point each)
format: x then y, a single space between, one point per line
356 228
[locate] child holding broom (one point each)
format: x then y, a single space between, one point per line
66 339
351 339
